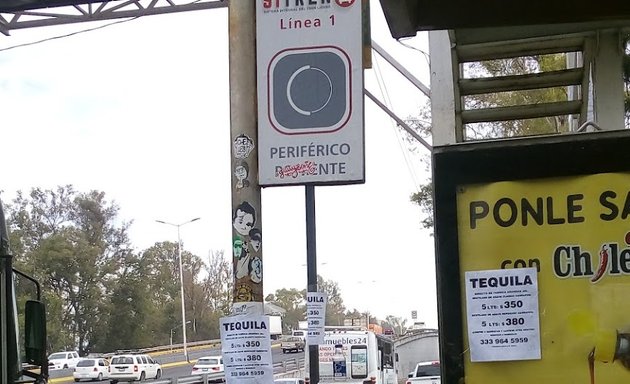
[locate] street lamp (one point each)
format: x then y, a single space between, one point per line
172 329
181 277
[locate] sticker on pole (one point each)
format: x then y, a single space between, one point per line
316 317
503 318
246 349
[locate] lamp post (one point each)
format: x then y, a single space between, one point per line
172 329
181 278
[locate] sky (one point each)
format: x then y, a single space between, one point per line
140 110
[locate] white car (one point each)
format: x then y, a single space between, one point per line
133 368
289 380
63 360
209 365
91 369
426 372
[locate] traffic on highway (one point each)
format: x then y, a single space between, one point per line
174 365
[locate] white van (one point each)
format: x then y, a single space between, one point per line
369 358
133 368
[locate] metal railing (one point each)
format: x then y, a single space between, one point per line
279 368
168 348
194 379
288 365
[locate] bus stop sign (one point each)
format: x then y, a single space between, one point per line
310 92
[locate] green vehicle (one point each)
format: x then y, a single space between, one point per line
17 365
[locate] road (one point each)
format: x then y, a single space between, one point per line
174 364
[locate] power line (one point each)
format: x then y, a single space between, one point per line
68 34
383 88
427 57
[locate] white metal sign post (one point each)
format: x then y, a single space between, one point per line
310 92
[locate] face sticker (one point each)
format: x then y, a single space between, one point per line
237 248
243 146
242 265
255 239
241 172
244 293
244 218
256 273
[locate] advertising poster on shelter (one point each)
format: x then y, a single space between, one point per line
574 233
502 308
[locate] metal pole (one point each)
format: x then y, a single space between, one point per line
400 68
181 279
181 283
311 272
5 298
246 205
171 344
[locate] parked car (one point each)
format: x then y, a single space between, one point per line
91 369
63 360
210 365
133 368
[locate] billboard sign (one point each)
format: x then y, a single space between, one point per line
533 258
310 92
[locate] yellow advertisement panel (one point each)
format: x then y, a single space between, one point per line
575 232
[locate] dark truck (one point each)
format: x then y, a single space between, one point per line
292 344
28 364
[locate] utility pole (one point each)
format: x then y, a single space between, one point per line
311 273
246 206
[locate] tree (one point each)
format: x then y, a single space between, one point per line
218 282
358 316
517 66
424 198
71 243
129 304
626 78
92 282
512 128
398 324
293 301
335 309
159 269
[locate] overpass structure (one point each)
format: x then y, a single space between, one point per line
578 150
593 78
462 33
21 14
